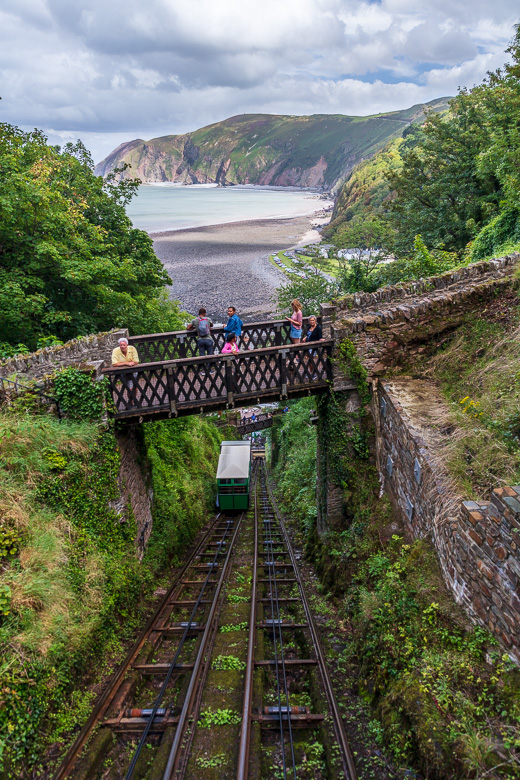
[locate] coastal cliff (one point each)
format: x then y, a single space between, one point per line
288 151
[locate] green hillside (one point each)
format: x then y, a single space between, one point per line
366 192
303 151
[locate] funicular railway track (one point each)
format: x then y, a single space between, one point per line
154 695
293 665
146 723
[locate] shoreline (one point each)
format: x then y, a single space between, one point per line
228 263
314 214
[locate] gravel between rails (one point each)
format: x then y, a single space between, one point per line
221 265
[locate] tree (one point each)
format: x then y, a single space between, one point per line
71 262
311 292
441 192
365 238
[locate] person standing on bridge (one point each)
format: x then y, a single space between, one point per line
296 320
126 355
314 332
202 325
234 324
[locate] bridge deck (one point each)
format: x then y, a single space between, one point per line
195 384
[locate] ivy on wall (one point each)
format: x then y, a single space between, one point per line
79 397
352 365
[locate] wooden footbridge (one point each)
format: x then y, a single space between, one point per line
171 380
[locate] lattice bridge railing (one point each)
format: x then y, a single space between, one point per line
204 384
159 347
260 422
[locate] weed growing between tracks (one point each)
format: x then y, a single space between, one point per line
441 697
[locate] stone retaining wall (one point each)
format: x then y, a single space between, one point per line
95 349
478 544
383 325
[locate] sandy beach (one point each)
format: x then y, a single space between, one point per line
219 265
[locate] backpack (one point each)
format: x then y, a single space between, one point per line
203 328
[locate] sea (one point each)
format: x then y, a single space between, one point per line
161 207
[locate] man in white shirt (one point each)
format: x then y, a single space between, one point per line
126 355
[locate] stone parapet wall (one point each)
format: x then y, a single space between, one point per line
94 349
474 273
477 543
385 325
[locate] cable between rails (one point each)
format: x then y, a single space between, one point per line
275 612
347 760
173 663
179 732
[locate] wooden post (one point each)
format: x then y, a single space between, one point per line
171 391
283 372
182 346
230 381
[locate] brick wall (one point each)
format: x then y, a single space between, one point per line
478 544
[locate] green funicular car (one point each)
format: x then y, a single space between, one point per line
233 476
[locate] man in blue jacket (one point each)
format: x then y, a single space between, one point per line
234 323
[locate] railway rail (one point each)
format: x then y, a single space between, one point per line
146 725
280 610
154 694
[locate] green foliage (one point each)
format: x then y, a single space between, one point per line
211 763
351 363
425 670
220 717
182 458
365 194
12 350
228 662
495 237
48 341
81 586
310 292
237 627
5 600
80 398
71 262
235 598
10 541
294 445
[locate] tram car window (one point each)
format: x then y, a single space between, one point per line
233 475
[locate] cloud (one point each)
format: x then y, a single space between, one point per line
100 68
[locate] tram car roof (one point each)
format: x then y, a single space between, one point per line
235 457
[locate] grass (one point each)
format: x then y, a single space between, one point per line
444 699
71 584
478 370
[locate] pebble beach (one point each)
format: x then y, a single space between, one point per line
228 264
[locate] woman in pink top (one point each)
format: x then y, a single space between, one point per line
231 344
296 321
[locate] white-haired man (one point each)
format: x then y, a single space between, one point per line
126 355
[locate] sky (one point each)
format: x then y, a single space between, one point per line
109 71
